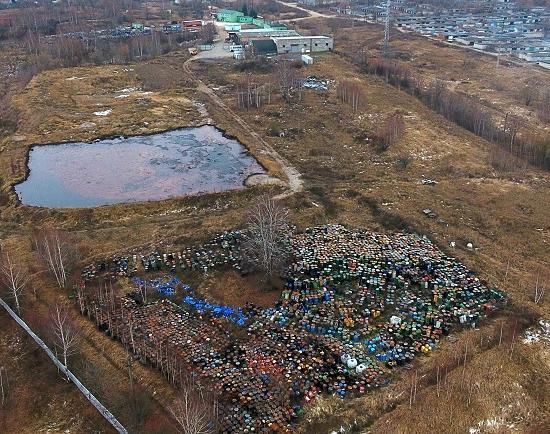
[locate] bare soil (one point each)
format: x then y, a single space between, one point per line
230 288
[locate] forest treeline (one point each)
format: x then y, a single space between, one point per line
510 132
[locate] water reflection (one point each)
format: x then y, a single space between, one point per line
141 168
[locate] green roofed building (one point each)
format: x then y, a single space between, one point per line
229 16
245 19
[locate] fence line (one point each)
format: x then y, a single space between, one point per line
95 402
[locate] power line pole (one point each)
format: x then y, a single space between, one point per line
387 30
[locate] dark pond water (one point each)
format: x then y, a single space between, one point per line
135 169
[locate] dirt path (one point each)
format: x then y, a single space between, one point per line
311 14
294 178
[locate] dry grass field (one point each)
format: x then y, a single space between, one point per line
487 386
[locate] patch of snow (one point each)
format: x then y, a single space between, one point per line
74 78
104 112
537 334
124 95
491 425
128 90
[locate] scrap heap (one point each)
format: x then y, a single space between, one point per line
355 304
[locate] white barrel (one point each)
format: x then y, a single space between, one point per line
361 368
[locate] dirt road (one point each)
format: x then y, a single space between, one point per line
311 14
293 176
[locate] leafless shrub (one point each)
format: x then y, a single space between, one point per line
404 161
350 92
267 235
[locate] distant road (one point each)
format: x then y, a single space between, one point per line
311 14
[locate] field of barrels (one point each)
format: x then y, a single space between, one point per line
355 306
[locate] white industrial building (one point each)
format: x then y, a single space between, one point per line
303 44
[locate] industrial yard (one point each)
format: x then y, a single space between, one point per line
411 252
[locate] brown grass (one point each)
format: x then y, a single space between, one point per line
503 213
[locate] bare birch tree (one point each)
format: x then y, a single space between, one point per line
66 335
267 234
195 411
349 92
80 297
512 125
540 289
56 254
4 386
15 278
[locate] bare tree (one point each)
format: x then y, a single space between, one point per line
66 335
529 93
208 33
80 297
15 278
512 125
56 254
250 94
4 386
544 105
540 289
285 76
267 235
195 411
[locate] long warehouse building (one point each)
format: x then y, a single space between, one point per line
303 44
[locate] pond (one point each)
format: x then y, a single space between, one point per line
135 169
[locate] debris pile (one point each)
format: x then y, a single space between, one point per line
316 83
